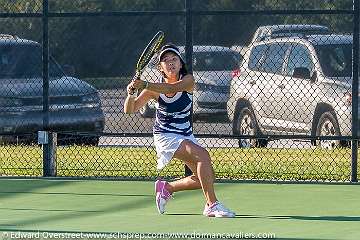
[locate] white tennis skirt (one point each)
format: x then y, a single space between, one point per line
166 145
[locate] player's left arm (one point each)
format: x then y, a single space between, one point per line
133 104
185 84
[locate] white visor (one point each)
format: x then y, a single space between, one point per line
170 49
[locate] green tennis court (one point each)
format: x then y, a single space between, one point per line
288 211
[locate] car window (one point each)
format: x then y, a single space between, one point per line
299 57
256 57
259 34
216 61
210 60
335 59
24 61
274 58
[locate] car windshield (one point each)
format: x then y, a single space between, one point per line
24 61
216 61
335 59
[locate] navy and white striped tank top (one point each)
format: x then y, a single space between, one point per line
173 114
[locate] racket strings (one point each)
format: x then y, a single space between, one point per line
150 50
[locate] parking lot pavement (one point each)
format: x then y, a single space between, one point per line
118 122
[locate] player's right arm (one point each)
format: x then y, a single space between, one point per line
133 104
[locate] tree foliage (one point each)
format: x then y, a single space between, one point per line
110 45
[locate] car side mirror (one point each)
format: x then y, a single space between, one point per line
69 70
301 72
313 77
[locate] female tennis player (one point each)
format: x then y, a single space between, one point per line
172 130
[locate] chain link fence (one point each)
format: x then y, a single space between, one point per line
275 94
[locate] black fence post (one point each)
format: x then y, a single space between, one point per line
188 49
49 153
48 140
355 93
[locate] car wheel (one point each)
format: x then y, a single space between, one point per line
146 111
328 126
246 125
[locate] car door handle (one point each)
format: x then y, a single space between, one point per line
281 86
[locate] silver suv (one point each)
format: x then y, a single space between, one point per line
294 85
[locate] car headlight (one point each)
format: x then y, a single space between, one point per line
91 98
212 88
10 102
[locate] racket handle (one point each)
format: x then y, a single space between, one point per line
133 92
137 75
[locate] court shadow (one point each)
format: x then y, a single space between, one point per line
12 187
50 210
306 218
79 194
65 214
60 214
321 218
199 214
183 214
248 216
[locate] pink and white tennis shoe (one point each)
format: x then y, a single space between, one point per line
218 210
162 195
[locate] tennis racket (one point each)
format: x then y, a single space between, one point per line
145 57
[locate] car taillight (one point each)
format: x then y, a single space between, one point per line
235 73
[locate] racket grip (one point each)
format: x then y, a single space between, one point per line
137 75
133 92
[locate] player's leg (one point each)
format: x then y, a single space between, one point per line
200 164
165 189
188 183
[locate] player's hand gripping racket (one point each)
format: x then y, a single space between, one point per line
145 57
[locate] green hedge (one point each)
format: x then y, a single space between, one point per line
140 163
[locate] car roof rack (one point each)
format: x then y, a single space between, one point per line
302 34
282 35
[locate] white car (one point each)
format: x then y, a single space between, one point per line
213 68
